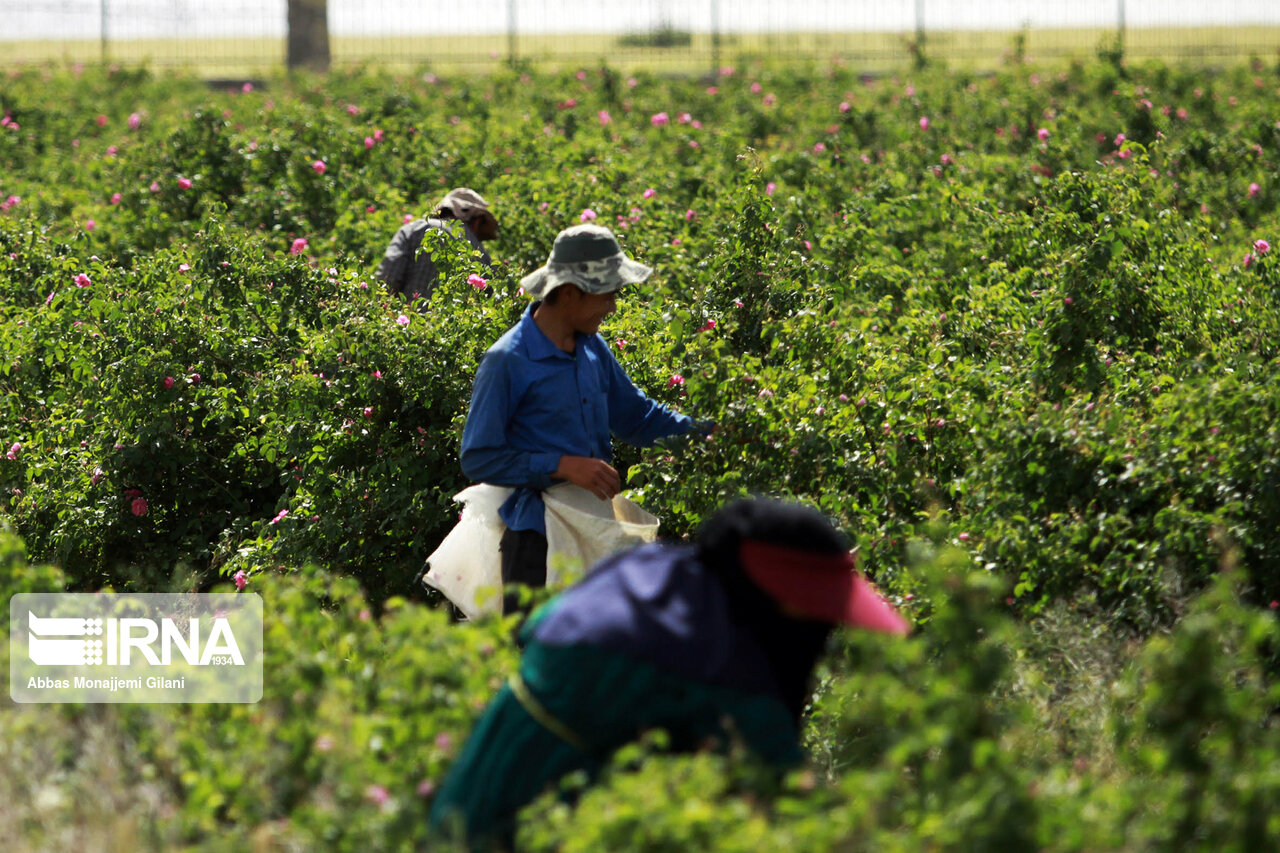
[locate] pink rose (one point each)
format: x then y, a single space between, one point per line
82 280
649 193
299 246
241 579
1261 247
184 183
1043 133
135 121
168 382
587 215
924 122
319 167
476 281
659 119
13 451
402 320
138 506
676 379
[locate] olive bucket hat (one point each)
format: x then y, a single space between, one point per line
588 256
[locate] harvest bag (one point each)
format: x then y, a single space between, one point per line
581 529
466 566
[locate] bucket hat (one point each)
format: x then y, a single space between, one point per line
465 204
588 256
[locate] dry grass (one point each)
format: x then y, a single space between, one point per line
72 785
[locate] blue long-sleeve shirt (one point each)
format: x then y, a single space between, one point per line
533 403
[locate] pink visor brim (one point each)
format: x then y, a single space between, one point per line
825 587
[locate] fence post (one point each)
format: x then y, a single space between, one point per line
511 32
1120 26
919 59
102 31
715 39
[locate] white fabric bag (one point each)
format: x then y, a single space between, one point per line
583 529
467 567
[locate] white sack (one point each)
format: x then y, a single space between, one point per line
581 529
467 567
584 529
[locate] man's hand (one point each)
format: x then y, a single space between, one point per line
594 475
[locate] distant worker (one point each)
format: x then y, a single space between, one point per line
705 641
549 395
462 214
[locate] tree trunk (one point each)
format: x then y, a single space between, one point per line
308 45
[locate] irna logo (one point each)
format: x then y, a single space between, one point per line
93 641
135 647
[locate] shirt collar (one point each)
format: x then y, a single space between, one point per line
538 344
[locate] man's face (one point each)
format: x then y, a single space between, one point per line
484 227
586 311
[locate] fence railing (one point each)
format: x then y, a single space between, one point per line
241 37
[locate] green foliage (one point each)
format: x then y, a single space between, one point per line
1033 374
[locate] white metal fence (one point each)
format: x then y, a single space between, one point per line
697 33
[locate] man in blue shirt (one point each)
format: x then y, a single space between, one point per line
549 395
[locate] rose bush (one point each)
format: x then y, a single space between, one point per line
1033 375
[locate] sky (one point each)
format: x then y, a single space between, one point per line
72 19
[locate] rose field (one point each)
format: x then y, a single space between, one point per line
1017 333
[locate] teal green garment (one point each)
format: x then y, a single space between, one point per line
608 699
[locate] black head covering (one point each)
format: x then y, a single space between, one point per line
791 645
